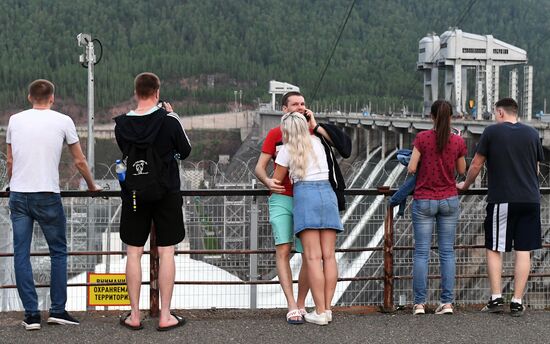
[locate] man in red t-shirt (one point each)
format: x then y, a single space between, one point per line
280 213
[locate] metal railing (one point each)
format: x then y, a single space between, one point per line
234 235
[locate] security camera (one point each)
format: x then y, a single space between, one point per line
83 39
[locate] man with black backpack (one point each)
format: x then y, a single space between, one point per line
151 139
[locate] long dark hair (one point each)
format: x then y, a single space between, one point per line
441 112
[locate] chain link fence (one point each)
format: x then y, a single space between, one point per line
213 261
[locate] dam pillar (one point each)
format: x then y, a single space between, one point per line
383 143
368 146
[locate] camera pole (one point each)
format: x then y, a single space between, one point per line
88 59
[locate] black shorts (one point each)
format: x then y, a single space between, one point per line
166 214
513 225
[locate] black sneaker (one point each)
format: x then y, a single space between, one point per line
494 306
516 309
31 322
62 319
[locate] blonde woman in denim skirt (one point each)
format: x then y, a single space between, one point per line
316 216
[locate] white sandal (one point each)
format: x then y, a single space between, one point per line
295 313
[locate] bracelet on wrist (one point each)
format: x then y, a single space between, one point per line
316 127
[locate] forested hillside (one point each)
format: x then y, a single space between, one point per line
242 44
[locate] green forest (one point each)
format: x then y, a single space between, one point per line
242 44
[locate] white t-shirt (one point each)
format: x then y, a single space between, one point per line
317 169
36 138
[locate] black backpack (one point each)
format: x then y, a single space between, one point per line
145 173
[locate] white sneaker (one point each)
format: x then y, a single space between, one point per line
314 318
329 315
418 309
444 308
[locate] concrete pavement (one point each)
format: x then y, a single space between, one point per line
268 326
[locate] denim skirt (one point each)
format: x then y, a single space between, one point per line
315 206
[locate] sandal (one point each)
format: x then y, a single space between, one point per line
295 313
181 322
123 322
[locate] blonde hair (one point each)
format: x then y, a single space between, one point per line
296 137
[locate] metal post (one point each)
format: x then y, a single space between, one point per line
88 59
153 274
71 240
388 260
240 100
90 234
108 242
90 148
253 257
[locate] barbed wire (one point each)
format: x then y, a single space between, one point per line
208 174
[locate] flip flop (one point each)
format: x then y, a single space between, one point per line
123 322
295 313
181 322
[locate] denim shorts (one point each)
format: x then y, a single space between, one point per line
315 206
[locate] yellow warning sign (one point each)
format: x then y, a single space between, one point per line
115 294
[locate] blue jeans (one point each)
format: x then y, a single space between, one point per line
47 210
445 214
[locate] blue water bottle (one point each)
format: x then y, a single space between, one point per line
120 169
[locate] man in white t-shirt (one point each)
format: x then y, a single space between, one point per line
35 140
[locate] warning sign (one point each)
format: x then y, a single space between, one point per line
107 295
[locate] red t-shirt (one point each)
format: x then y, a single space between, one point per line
272 144
436 172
